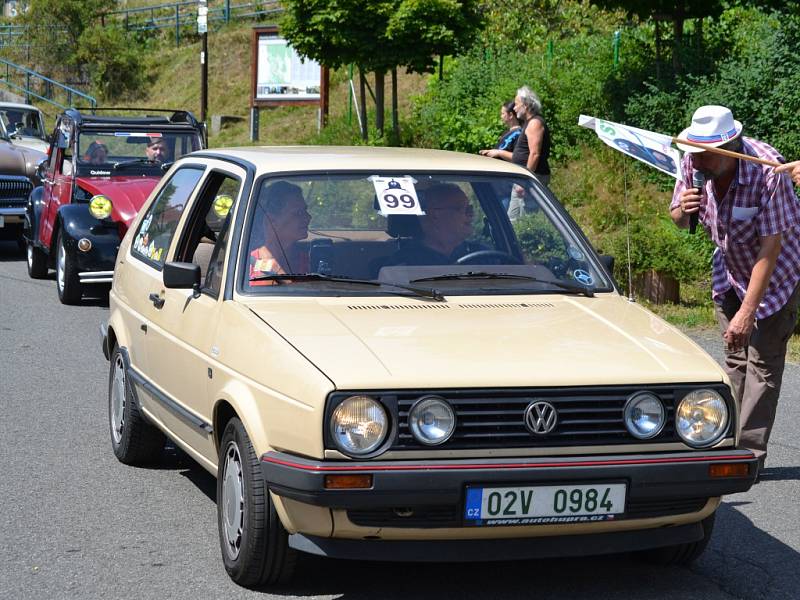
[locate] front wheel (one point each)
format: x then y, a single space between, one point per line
681 554
37 261
255 546
68 283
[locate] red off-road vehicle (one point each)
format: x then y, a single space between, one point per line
100 170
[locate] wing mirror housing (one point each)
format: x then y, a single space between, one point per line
182 276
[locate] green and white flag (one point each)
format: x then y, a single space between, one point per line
650 147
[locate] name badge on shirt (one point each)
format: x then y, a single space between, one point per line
742 213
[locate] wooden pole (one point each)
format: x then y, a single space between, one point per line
705 147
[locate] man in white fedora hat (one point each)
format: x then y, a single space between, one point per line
753 217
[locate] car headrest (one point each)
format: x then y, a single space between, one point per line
403 226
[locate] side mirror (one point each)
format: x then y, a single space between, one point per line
182 276
608 262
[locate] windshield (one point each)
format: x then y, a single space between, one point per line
110 153
22 121
454 233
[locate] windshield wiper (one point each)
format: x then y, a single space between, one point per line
135 161
424 292
578 289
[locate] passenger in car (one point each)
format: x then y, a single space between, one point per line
443 230
285 222
96 153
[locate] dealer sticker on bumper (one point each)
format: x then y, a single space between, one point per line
543 505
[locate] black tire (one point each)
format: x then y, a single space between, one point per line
37 261
254 544
681 554
68 284
133 439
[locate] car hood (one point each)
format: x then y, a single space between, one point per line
127 194
31 142
17 160
511 341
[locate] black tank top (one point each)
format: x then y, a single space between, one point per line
522 151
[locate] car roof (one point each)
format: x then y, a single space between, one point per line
18 105
359 158
171 118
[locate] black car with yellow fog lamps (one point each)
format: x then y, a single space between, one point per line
99 171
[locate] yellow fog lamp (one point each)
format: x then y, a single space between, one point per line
100 206
222 205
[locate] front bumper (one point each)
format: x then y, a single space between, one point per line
443 482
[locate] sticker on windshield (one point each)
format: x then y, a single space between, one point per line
396 195
583 277
575 253
136 134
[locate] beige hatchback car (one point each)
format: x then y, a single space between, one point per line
403 354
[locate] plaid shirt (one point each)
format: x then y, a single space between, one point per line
758 203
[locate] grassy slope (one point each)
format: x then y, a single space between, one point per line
176 84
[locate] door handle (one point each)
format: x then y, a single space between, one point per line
157 300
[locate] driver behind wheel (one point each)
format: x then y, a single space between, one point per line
443 229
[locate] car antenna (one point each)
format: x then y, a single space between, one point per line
631 297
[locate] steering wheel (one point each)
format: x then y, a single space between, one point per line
479 255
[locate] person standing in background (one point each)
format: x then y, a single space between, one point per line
532 149
505 145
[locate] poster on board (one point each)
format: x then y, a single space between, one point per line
281 75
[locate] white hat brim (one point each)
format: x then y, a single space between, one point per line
695 149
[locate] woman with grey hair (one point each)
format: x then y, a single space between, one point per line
533 146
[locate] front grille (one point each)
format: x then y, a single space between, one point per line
14 191
496 420
432 517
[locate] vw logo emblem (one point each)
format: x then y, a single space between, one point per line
541 417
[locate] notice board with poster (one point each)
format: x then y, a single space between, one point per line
281 76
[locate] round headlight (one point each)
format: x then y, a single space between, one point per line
359 425
644 415
100 206
701 418
432 421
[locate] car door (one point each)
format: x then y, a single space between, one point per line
143 262
58 184
183 323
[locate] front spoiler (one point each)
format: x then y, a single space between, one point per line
484 550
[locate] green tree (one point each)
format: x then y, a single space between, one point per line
115 64
55 28
674 11
380 35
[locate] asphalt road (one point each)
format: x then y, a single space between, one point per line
75 523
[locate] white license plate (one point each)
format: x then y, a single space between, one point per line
542 505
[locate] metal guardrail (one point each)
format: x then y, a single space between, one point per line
35 85
177 15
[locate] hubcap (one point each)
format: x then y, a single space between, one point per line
60 261
30 254
117 412
232 501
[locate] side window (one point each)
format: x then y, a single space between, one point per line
205 241
155 232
